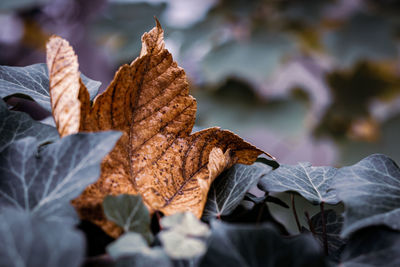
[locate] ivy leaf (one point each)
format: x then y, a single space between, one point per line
310 182
44 183
157 156
16 125
28 241
128 212
333 225
248 245
370 190
91 85
373 246
228 190
183 236
33 81
132 250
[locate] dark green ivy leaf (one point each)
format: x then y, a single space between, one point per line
310 182
229 189
334 225
130 213
44 183
15 125
370 190
29 241
373 246
250 246
33 81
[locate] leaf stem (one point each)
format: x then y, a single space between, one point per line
260 213
324 234
295 212
159 219
310 225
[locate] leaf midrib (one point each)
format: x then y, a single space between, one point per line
311 182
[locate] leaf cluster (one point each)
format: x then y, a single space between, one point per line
41 173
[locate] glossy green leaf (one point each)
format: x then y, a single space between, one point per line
370 191
333 224
313 183
43 183
229 188
15 125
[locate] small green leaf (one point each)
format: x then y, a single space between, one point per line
132 250
313 183
370 190
33 81
183 236
130 213
15 125
29 241
250 245
229 188
43 183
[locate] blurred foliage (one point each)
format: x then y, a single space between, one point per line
306 80
120 28
352 92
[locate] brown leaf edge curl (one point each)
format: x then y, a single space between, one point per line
157 156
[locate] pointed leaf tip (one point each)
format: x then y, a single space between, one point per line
158 24
153 41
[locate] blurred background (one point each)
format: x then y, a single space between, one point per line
305 80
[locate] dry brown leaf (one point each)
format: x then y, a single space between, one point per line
157 156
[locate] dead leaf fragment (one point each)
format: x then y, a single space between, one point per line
157 156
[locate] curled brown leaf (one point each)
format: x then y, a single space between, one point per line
157 156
